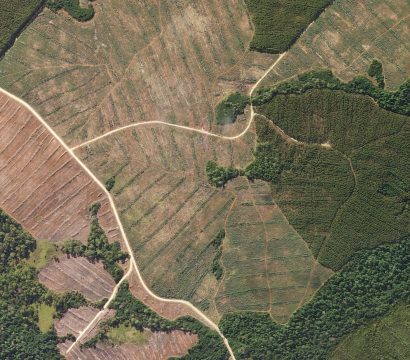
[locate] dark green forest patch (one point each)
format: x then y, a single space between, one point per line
15 15
362 291
73 8
278 23
352 194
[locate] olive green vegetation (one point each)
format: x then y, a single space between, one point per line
395 101
127 334
14 16
218 175
364 290
21 296
356 194
386 338
45 317
278 23
44 253
217 269
73 8
132 313
230 107
376 71
109 184
98 248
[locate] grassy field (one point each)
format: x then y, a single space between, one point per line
347 37
127 334
134 61
45 252
387 338
45 317
278 23
351 193
14 14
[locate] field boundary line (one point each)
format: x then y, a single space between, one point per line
188 128
133 263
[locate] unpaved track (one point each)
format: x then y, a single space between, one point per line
187 128
133 264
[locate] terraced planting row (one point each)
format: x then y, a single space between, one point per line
347 37
42 186
135 61
268 267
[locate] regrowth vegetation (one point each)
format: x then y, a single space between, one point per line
230 107
279 23
362 291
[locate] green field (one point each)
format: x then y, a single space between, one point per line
387 338
45 317
348 194
127 334
44 253
278 23
14 14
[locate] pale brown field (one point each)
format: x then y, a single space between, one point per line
161 346
43 188
348 36
78 274
135 61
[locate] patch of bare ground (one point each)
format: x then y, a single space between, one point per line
348 36
75 320
161 346
135 61
78 274
43 188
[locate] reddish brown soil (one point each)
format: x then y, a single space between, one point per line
161 346
78 274
42 186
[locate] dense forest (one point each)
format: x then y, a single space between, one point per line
73 8
362 291
279 23
14 16
20 336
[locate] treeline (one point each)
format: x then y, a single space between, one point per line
20 336
397 101
217 269
363 290
218 175
133 313
98 248
279 23
73 8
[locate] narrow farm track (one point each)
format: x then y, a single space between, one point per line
187 128
133 267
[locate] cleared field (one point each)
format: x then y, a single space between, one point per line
387 338
78 274
43 188
161 346
135 61
268 267
352 194
75 320
168 209
348 36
